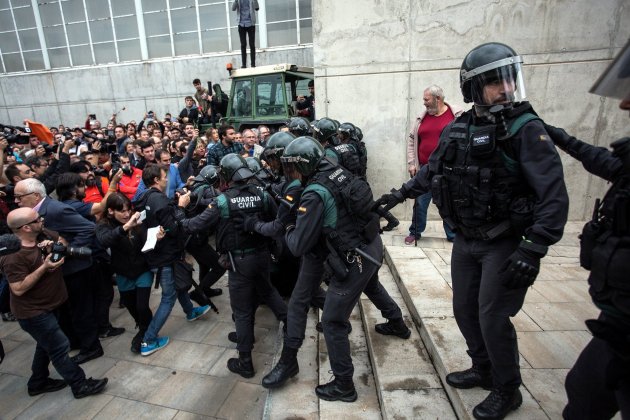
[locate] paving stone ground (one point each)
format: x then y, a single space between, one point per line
189 378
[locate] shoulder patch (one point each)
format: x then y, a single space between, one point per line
543 137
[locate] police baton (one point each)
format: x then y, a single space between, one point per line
368 257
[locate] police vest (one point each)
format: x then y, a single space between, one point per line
354 222
605 249
348 157
240 200
477 182
362 152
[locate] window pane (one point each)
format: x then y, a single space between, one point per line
186 44
214 41
17 3
306 31
305 8
269 97
236 44
283 33
24 17
81 55
129 50
4 4
97 9
105 53
6 21
50 14
73 10
101 30
29 39
55 37
184 20
280 10
59 57
156 23
212 17
12 62
242 103
151 5
77 33
34 60
123 7
9 42
159 47
126 27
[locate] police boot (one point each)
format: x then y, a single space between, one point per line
242 365
199 297
392 222
395 327
286 368
498 404
337 390
477 375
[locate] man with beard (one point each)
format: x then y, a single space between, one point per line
226 145
71 191
95 187
421 142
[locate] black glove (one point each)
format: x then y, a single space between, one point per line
391 200
287 215
245 223
559 137
522 267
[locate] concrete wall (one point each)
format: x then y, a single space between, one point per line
68 96
373 59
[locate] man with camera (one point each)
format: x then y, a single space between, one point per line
48 172
79 325
131 177
95 187
37 292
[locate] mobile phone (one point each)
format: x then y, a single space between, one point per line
143 215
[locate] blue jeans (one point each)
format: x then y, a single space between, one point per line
169 294
419 218
52 346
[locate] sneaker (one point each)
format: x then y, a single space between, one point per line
411 239
150 348
197 313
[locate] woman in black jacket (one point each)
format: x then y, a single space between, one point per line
120 231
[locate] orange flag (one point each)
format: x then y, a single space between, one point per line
40 130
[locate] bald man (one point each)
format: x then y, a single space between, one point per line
37 291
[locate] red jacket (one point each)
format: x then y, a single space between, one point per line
129 183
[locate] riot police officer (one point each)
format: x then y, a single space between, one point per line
497 179
598 385
299 126
334 220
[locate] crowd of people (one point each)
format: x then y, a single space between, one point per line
291 210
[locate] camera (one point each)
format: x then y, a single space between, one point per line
59 251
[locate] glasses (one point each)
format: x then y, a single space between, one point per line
20 196
39 219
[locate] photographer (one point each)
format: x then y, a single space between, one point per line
71 191
37 292
95 186
48 172
120 231
131 177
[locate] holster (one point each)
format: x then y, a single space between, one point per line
337 266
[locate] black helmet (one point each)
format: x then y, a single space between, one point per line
347 130
359 133
492 64
615 81
299 126
304 154
208 174
324 130
277 143
253 164
233 167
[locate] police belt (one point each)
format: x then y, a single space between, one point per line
487 232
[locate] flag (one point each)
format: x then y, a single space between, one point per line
41 131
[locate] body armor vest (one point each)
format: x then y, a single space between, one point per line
348 157
353 201
477 183
240 200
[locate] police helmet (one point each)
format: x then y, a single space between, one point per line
299 126
233 167
208 174
359 133
303 154
277 143
615 81
324 130
492 64
347 130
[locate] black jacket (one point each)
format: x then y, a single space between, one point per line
125 247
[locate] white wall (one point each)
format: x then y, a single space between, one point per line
373 59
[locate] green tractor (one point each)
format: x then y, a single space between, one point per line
266 95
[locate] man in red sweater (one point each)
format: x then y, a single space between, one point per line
130 179
422 140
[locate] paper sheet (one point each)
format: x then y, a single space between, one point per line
151 239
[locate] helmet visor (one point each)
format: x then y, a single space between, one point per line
615 82
499 85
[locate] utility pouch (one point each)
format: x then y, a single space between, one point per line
372 227
483 142
588 240
337 266
439 191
